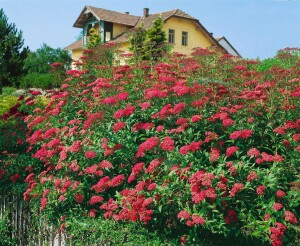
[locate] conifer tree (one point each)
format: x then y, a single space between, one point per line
149 44
137 42
155 42
12 53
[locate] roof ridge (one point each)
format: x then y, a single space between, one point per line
123 13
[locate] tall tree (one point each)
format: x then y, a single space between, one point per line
12 52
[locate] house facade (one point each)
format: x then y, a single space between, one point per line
184 32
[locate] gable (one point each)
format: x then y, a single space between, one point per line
105 15
196 36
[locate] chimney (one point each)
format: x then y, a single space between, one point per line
127 13
146 12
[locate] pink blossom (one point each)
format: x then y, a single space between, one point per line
277 206
167 144
231 150
290 217
183 214
90 154
260 190
96 199
237 187
152 186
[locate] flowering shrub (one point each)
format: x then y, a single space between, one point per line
203 144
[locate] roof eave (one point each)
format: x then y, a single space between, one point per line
231 46
76 24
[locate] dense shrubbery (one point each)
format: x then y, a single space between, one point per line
43 81
45 68
285 58
199 149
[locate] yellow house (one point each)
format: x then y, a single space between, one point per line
184 32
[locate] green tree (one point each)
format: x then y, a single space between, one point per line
149 44
137 41
45 67
156 38
40 60
12 53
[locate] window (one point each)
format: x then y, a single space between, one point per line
184 39
171 36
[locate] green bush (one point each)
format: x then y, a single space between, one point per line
285 58
8 90
43 81
6 102
87 231
202 150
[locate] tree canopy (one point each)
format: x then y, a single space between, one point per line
40 60
45 67
12 52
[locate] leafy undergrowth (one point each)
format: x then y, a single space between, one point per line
199 150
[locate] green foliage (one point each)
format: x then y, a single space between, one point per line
94 38
40 60
79 36
8 90
149 44
12 55
285 58
102 55
45 67
40 80
137 42
87 231
5 232
6 102
155 42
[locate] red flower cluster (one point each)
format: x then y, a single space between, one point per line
201 187
277 233
237 187
148 145
241 134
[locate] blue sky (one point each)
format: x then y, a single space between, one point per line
256 28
